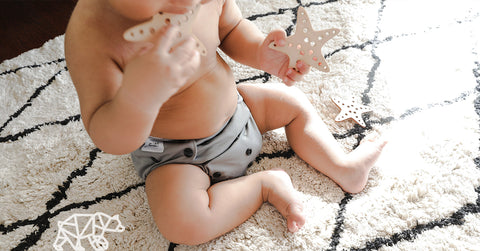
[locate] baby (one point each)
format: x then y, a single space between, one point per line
191 130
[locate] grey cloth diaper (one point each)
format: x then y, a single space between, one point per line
224 155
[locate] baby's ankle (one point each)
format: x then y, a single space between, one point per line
354 175
277 189
272 180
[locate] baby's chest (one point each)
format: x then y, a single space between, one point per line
205 28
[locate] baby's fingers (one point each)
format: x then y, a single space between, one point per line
186 55
296 74
292 76
302 67
185 50
277 37
164 39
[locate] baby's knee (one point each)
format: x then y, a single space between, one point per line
296 97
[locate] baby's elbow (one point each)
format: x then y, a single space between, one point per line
114 142
116 145
115 148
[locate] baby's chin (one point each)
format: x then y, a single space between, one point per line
176 8
179 8
138 10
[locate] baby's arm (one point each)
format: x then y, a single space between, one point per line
240 38
119 108
245 43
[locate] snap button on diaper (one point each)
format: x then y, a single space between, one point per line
188 152
248 152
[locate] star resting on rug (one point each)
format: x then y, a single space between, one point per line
350 110
191 130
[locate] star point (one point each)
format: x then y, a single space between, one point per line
306 44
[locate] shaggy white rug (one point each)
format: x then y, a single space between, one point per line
414 63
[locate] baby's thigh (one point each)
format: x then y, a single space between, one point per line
175 192
274 105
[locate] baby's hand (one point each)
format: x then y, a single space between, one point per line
165 63
276 63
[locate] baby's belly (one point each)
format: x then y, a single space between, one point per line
200 110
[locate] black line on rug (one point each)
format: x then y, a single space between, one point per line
339 219
358 46
264 76
172 246
107 197
373 70
35 94
456 219
476 103
277 154
59 195
32 66
356 130
409 112
42 222
17 136
293 9
476 73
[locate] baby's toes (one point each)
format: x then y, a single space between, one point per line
295 217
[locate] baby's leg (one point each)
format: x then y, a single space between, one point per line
188 211
275 106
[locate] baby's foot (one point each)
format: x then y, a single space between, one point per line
279 191
359 162
295 217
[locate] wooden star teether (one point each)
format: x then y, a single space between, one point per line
146 30
350 109
306 44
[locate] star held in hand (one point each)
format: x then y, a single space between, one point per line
351 109
306 44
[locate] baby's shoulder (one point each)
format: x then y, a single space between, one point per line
92 32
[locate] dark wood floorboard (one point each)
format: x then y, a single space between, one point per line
27 24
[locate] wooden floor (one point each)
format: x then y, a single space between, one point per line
27 24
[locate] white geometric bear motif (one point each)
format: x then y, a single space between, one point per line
91 227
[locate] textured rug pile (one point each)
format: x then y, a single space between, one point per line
415 64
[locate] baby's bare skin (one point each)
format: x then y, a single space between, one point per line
206 102
164 88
